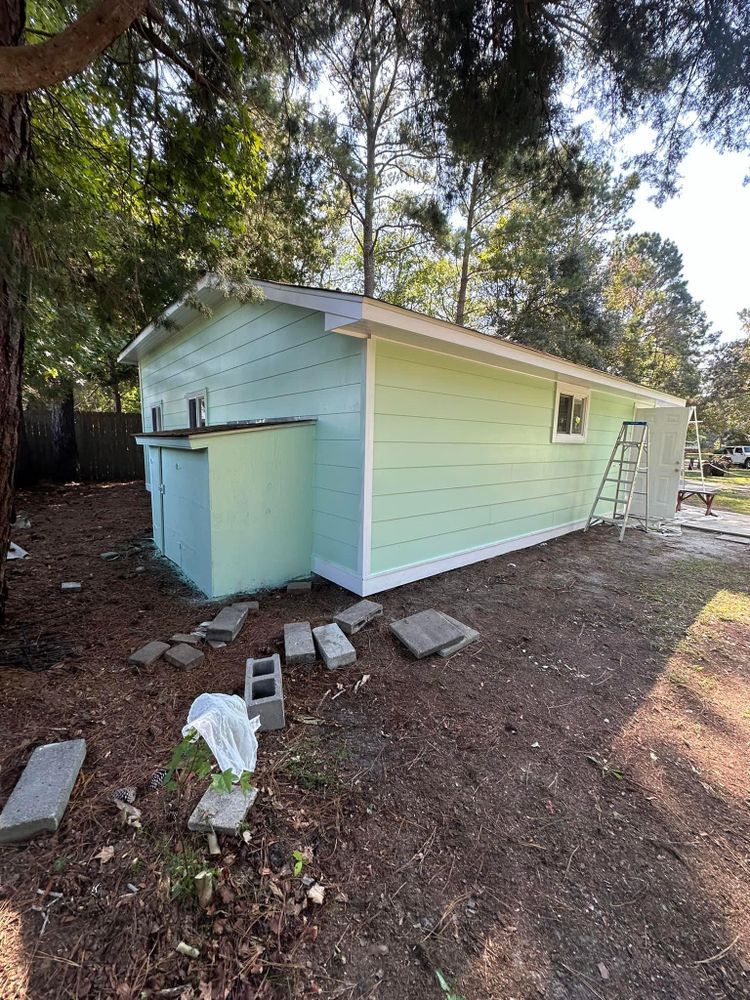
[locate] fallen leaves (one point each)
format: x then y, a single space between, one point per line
105 854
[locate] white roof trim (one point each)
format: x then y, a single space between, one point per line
358 316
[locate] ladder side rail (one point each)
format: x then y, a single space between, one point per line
631 493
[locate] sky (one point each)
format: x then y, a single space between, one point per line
709 220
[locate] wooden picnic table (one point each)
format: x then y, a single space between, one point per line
705 494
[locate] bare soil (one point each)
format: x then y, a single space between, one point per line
560 811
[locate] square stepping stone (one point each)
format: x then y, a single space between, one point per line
222 812
148 654
188 637
426 632
184 656
333 646
469 635
227 624
357 616
38 802
299 645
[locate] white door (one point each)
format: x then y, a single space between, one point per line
667 429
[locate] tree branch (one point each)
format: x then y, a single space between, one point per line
24 68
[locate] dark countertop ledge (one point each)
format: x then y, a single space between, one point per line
237 425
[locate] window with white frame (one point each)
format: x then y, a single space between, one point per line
571 413
197 409
156 420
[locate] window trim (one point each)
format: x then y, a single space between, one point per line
157 405
198 394
578 392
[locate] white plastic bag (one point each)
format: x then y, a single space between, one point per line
221 719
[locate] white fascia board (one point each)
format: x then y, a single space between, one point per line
378 316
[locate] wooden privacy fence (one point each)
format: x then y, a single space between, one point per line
104 442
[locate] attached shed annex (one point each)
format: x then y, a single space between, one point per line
424 445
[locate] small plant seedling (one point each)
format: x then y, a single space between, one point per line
193 758
445 986
299 862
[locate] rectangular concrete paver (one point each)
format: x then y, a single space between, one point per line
148 654
357 616
299 586
426 632
333 646
38 801
70 586
299 646
469 635
184 656
222 812
227 624
188 637
250 606
264 694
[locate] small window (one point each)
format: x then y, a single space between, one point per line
156 424
197 410
571 414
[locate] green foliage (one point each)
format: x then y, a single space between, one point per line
725 404
445 986
192 758
299 862
664 331
181 868
150 169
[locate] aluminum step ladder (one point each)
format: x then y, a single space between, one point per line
628 461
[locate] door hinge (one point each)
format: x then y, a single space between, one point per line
161 489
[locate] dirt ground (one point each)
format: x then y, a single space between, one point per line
560 811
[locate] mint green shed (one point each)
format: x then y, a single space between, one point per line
319 431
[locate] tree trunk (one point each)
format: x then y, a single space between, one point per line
15 150
64 444
368 223
468 244
114 382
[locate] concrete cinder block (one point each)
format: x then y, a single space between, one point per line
299 646
426 632
148 654
189 637
222 812
38 802
227 624
299 586
264 694
357 616
469 635
333 646
184 656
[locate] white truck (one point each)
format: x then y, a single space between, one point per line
738 454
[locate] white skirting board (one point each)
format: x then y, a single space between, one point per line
378 582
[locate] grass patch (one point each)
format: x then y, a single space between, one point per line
312 771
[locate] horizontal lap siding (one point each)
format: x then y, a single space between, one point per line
274 360
463 457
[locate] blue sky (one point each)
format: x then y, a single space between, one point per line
710 222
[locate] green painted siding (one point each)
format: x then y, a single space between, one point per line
261 521
463 457
274 360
